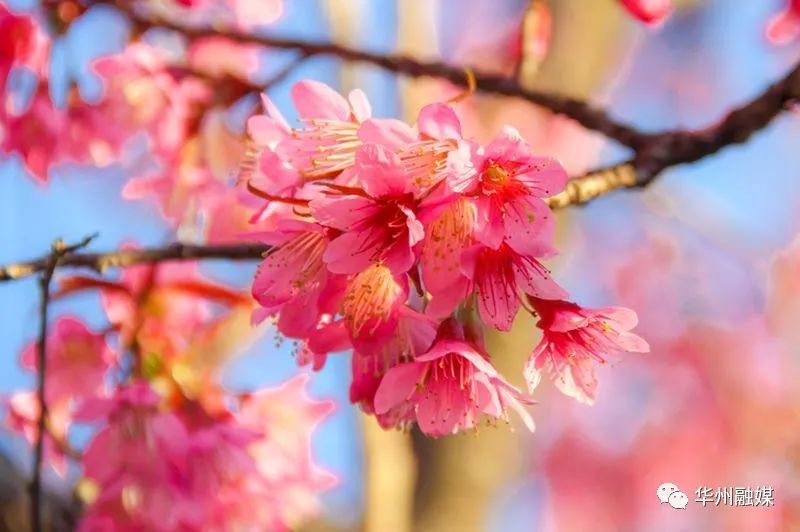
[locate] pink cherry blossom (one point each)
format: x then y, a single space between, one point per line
327 143
575 339
378 222
508 183
287 416
501 277
77 361
374 355
22 417
450 387
134 460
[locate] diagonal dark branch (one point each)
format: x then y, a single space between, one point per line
672 148
586 114
49 265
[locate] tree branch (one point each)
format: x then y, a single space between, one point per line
654 152
50 263
586 114
99 262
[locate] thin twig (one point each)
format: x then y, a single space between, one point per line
49 267
99 262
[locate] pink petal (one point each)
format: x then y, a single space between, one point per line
330 338
462 164
388 132
314 99
545 177
531 371
625 317
498 302
399 257
529 226
445 300
577 380
380 171
535 280
396 386
439 121
508 145
490 228
348 254
342 212
362 109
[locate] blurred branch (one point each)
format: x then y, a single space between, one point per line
99 262
673 148
48 269
654 152
586 114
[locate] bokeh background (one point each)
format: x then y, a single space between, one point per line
709 257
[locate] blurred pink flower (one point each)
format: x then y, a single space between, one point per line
22 417
648 11
135 460
77 361
784 27
287 416
574 339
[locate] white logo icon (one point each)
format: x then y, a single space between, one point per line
678 500
670 494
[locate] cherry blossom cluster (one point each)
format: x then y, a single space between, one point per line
405 244
164 99
171 448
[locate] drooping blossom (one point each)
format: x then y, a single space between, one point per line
501 278
575 339
374 355
648 11
293 283
450 387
